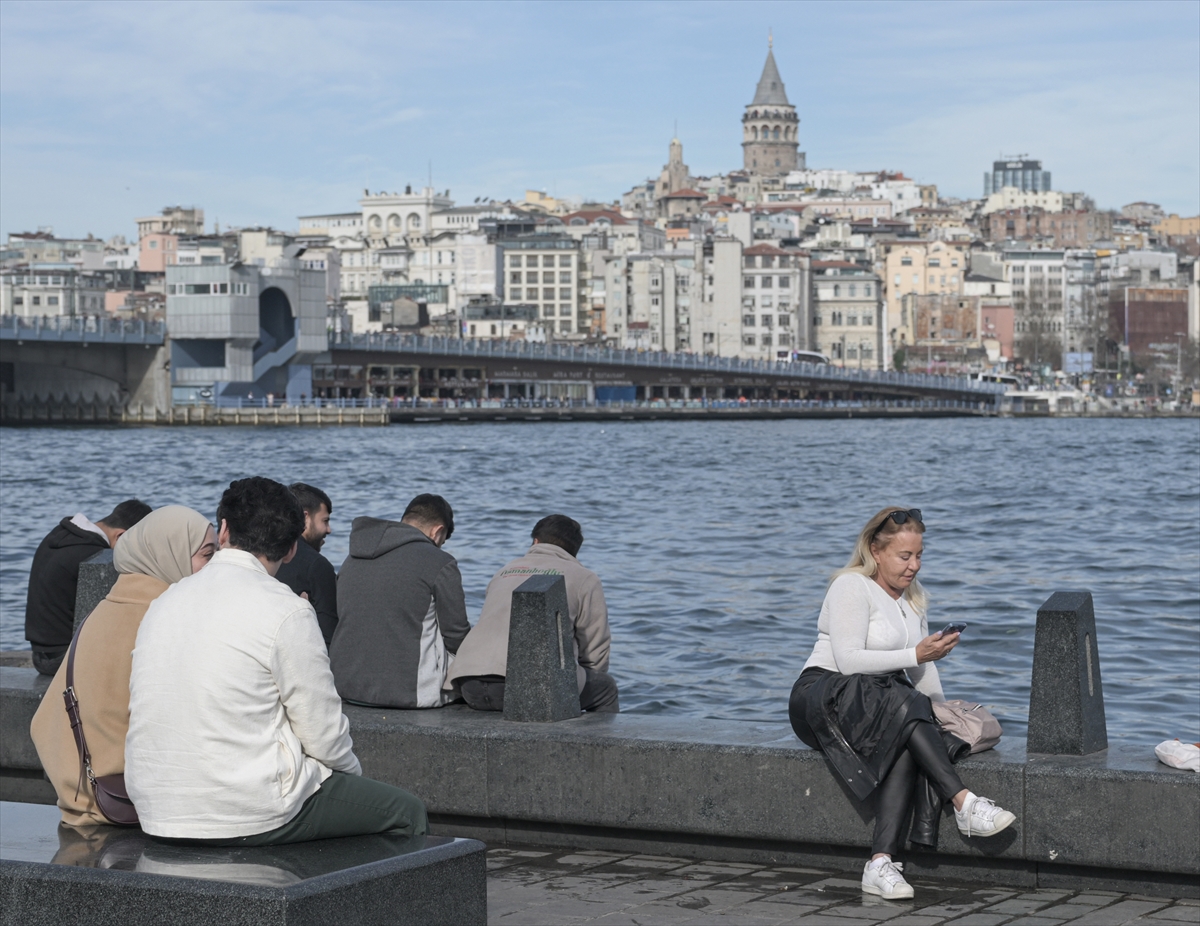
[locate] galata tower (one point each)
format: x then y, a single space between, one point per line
770 127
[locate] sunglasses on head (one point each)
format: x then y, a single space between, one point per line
913 514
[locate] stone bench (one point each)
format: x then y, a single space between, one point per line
58 876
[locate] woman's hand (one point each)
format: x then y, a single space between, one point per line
935 646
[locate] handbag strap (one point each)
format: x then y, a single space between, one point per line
72 704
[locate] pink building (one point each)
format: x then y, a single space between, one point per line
158 251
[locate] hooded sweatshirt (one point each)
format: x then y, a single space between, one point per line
401 616
53 579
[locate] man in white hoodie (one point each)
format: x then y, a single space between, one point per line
236 732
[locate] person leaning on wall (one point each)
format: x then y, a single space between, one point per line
166 546
54 578
864 695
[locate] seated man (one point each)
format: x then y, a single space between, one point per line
483 657
310 574
54 578
401 611
236 733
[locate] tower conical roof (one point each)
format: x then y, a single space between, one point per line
770 85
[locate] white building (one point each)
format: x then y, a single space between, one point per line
1011 197
848 322
51 289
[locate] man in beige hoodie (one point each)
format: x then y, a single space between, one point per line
482 661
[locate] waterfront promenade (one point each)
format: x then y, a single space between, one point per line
530 886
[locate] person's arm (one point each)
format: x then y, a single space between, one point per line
849 621
300 665
451 606
323 597
593 640
925 677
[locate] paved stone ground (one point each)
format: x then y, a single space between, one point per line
540 887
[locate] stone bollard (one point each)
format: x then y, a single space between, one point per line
540 684
1066 699
96 577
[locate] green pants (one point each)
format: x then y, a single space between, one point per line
346 805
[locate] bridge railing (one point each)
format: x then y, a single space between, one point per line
535 404
582 354
81 329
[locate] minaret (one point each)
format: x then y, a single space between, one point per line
770 126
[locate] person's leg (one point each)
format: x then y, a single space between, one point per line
483 693
599 693
894 796
348 805
929 751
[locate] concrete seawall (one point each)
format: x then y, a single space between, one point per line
1116 819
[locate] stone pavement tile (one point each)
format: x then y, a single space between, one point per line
716 898
1017 905
1146 897
532 916
559 910
651 862
1187 902
503 858
647 890
1067 911
1174 915
947 907
1124 911
784 911
915 919
980 919
1035 921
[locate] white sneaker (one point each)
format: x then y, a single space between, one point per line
981 817
886 881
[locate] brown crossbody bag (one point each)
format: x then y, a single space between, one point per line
111 797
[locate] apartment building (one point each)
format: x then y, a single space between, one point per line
650 297
546 271
848 321
51 289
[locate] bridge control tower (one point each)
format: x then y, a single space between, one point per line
241 329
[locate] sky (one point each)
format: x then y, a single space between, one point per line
261 112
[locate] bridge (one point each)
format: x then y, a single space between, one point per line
119 363
413 366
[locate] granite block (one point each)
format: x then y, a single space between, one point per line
1119 808
1066 698
51 874
21 692
97 576
540 683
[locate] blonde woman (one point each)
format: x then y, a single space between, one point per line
167 545
864 696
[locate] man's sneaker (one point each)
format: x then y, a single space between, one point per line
886 881
981 817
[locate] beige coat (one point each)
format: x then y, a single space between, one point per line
485 650
103 660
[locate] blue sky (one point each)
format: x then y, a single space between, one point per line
260 112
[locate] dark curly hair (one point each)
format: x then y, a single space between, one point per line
263 517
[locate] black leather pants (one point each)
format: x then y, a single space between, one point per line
926 756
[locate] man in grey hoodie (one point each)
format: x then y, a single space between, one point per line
401 609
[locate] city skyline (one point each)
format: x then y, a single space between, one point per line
267 111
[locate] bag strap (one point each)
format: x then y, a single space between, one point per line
72 705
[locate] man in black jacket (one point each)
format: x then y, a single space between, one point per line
54 577
309 574
401 609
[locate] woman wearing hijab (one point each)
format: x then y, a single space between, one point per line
167 545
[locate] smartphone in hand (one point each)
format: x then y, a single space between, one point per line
955 627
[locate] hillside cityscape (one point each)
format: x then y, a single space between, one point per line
772 260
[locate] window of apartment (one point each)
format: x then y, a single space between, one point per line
866 352
766 340
816 320
768 260
547 276
853 290
766 321
785 321
954 262
748 340
748 282
766 282
531 276
867 319
564 260
748 260
905 261
52 300
835 318
853 320
515 277
564 326
764 301
916 279
37 300
837 289
547 294
851 353
56 281
153 244
785 261
785 282
547 260
748 321
514 260
932 279
935 262
515 293
564 310
564 276
564 292
785 339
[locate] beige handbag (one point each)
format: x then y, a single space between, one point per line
971 723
